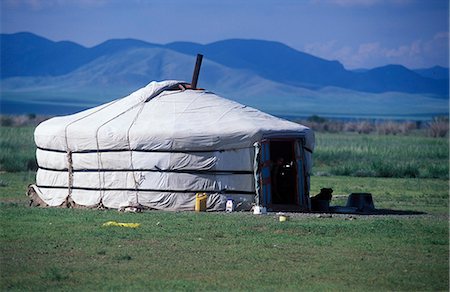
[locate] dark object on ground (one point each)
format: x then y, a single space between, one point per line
363 202
321 201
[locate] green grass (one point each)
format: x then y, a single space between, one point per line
13 186
17 149
69 249
381 156
407 194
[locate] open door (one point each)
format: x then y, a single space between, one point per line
282 177
265 175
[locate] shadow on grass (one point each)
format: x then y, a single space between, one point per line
346 210
393 212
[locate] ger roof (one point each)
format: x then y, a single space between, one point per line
154 118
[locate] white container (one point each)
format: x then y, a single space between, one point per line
258 210
229 206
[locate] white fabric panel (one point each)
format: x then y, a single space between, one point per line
82 127
186 201
113 133
53 197
86 198
185 181
236 160
156 200
88 180
51 133
52 178
148 180
49 159
117 199
180 201
168 201
103 160
190 161
95 160
241 159
111 180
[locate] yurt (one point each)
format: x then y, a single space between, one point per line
165 143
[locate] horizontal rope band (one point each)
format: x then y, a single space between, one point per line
188 171
147 190
140 150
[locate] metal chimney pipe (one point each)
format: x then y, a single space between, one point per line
198 64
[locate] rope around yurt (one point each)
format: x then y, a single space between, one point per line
69 152
101 175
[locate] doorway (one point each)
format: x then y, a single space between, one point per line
282 175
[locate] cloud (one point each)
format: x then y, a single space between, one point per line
417 54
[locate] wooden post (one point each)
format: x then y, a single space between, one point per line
198 64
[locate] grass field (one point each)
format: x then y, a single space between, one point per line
70 250
17 149
381 156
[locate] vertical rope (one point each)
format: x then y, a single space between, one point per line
136 182
100 166
70 172
69 167
69 152
99 159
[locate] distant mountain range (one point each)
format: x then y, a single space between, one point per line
264 74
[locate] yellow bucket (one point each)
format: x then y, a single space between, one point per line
200 202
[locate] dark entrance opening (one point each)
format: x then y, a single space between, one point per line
283 173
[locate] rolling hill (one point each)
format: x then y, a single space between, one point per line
278 62
40 75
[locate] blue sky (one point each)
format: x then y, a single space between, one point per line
358 33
